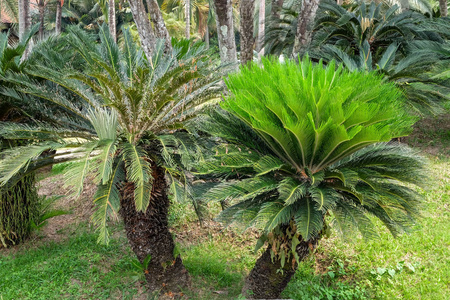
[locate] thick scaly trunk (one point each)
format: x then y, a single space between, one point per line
24 17
443 8
58 17
247 40
148 234
144 27
268 279
305 26
187 12
261 27
158 23
41 9
112 19
225 32
19 208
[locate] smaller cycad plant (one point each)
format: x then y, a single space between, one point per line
301 142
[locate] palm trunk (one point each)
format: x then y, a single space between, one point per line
148 234
443 8
276 6
261 27
246 10
58 17
340 2
41 9
304 27
207 37
159 24
112 19
225 32
268 279
24 17
187 12
144 27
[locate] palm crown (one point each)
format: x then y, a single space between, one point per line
123 122
303 141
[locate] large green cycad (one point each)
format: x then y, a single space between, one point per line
122 123
324 132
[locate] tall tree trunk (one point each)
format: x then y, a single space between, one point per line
268 279
24 17
112 19
340 2
225 31
41 9
305 26
207 37
404 5
187 12
261 28
148 234
443 8
158 23
144 27
58 17
276 6
247 10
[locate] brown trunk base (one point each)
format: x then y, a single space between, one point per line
268 279
148 234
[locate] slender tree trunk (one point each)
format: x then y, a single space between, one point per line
340 2
305 26
404 5
187 12
268 279
261 27
159 24
144 27
276 6
225 32
443 8
207 37
112 19
58 17
41 8
148 234
24 17
247 10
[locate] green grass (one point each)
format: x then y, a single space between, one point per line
413 266
419 262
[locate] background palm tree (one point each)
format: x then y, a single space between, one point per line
111 133
301 143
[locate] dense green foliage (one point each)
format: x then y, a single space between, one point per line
110 126
304 141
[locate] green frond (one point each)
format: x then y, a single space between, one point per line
17 159
308 219
138 171
107 202
75 176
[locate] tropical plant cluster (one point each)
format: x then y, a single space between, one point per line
296 146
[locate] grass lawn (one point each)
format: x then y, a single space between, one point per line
71 265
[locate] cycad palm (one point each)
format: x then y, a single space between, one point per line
304 142
123 132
